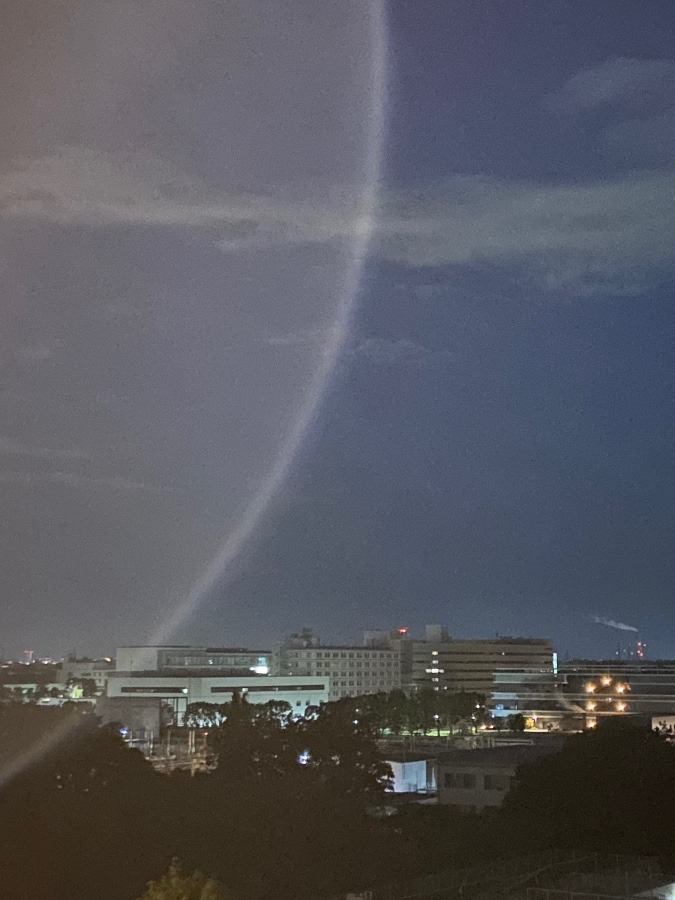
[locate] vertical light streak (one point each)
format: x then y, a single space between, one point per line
363 227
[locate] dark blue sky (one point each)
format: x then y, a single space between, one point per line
495 455
183 205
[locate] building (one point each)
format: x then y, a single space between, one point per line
636 687
413 773
85 669
536 695
161 658
581 692
351 671
443 663
154 685
472 780
440 662
175 690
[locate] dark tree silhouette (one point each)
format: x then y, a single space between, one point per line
609 789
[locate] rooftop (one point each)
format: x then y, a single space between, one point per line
509 756
191 648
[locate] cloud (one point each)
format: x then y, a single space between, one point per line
13 448
595 237
72 479
76 185
300 338
581 239
385 352
617 81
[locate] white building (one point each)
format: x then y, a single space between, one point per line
413 775
177 690
177 656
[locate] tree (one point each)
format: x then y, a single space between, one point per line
341 750
516 722
396 707
254 742
82 789
610 789
174 885
206 715
272 714
373 708
82 687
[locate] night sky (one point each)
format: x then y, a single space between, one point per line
350 315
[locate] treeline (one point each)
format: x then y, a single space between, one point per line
288 811
393 712
284 814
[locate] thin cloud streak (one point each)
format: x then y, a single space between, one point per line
587 238
77 480
582 239
615 81
79 186
14 448
381 351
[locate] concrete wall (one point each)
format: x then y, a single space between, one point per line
474 787
137 659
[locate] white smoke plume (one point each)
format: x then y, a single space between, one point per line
621 626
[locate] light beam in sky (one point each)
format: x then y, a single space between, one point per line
362 227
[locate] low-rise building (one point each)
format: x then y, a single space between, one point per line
582 692
413 773
176 690
473 780
180 656
85 669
